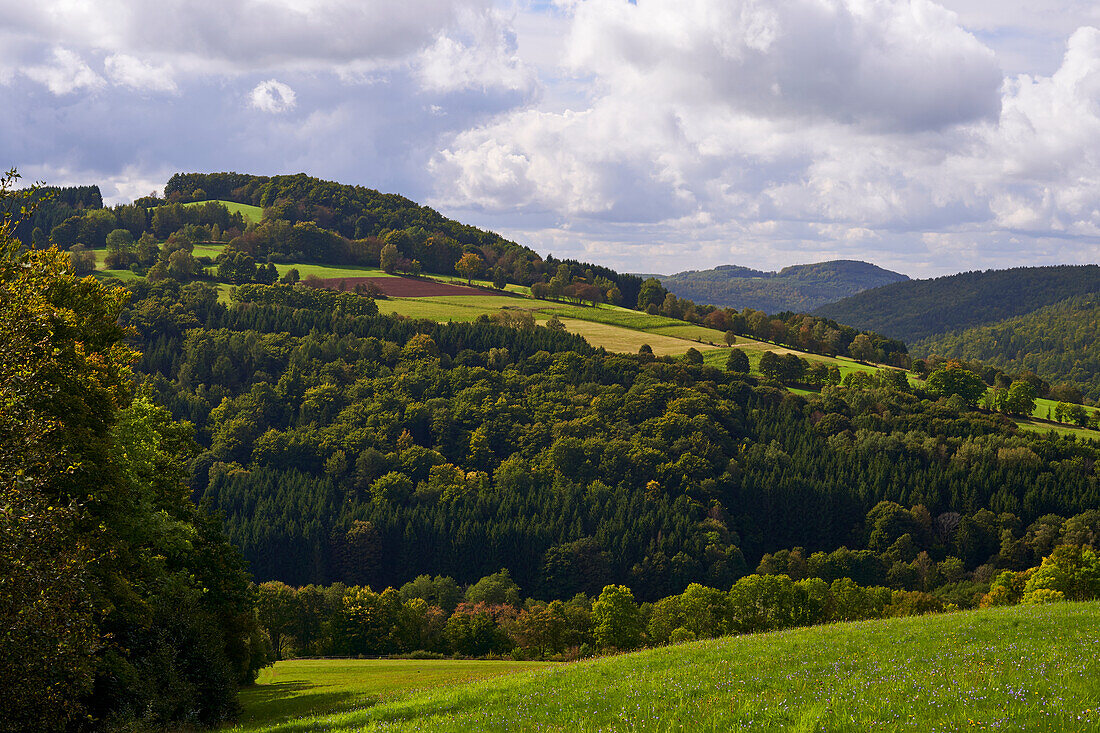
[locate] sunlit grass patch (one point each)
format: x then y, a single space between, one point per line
1019 668
319 687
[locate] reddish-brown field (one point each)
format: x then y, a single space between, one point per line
400 287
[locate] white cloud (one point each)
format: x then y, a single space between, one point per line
213 36
479 52
272 96
136 74
67 74
762 130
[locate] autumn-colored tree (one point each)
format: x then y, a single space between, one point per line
469 266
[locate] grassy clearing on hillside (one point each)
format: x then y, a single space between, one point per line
1034 668
627 341
447 307
1033 426
250 213
327 271
456 280
312 687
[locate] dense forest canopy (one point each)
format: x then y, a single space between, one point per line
372 449
918 309
1060 342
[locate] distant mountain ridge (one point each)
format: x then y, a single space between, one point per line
918 309
795 288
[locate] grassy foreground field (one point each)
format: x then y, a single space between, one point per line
1034 668
299 688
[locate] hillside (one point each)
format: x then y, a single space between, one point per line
918 309
370 449
1059 342
979 669
798 288
419 232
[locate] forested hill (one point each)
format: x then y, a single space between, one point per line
1060 343
55 206
917 309
799 288
349 446
355 212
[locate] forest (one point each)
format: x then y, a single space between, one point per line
917 309
1060 342
370 450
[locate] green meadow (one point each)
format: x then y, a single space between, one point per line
1021 668
251 214
308 688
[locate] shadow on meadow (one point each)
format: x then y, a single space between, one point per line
273 702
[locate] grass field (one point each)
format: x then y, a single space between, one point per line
300 687
1023 668
250 213
1037 426
326 271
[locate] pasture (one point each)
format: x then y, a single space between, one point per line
1034 668
251 214
315 687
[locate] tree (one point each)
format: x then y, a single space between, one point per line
738 361
616 620
771 365
277 612
651 293
291 276
388 257
954 379
120 249
469 266
861 348
81 260
693 356
500 278
495 589
96 478
1020 399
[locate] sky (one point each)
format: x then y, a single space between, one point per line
647 135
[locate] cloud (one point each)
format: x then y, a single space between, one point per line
765 130
272 96
479 52
134 73
212 36
67 74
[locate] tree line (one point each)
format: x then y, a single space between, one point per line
435 617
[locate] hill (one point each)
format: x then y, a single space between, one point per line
979 669
918 309
369 449
356 212
798 288
1059 342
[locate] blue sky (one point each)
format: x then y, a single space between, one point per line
652 136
